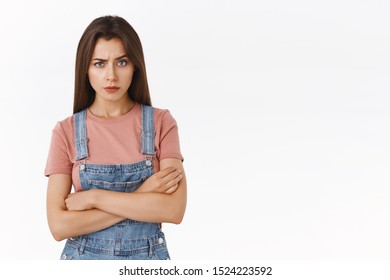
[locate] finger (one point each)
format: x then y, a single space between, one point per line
170 176
173 182
66 204
172 189
165 172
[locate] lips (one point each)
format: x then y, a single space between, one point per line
111 89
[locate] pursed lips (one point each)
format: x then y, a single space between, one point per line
111 89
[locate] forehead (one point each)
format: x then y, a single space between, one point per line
106 48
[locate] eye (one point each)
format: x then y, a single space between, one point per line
122 62
99 64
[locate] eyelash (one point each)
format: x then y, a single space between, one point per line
100 64
122 60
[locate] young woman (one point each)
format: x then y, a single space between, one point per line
121 155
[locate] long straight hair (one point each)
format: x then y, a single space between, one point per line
109 27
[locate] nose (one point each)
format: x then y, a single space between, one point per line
111 75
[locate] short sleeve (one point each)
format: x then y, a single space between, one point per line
58 160
169 144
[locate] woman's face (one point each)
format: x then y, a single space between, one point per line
110 71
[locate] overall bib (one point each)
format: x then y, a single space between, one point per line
129 239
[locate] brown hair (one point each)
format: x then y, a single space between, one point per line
109 27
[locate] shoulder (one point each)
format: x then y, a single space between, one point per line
162 114
163 117
64 127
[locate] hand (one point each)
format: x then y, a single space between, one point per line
165 181
82 200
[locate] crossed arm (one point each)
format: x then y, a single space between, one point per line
161 198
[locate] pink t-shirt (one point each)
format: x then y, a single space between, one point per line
112 141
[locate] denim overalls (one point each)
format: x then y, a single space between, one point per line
129 239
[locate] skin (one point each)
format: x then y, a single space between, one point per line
110 67
161 198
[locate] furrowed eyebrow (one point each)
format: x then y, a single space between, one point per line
122 56
101 59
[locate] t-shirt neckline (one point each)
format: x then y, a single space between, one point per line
119 119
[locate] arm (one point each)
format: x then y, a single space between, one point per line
68 216
64 223
141 206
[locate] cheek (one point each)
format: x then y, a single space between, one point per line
127 76
93 77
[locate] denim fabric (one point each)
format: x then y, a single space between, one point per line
148 131
129 239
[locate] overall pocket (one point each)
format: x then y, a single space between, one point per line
116 186
70 253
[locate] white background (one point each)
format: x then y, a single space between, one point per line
283 114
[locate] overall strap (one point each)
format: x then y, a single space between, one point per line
147 147
80 134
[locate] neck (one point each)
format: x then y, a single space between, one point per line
110 110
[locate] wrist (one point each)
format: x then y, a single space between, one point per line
95 198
